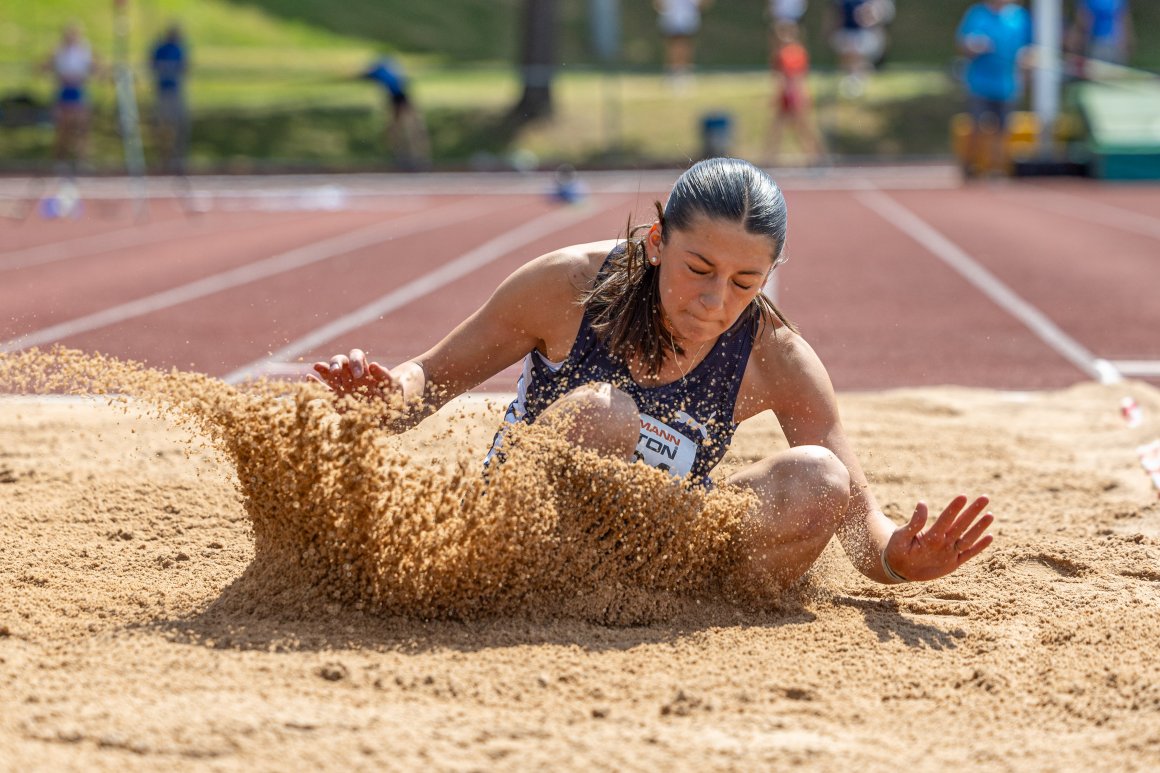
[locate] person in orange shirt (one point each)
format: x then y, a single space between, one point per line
791 104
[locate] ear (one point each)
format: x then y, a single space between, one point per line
652 244
655 235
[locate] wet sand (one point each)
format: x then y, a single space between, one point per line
170 601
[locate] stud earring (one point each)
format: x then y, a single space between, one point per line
654 260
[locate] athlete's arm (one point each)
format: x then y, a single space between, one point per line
792 381
536 307
526 312
799 391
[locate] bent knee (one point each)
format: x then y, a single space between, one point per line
599 401
820 487
820 469
598 416
806 492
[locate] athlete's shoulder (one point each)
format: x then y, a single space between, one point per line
569 268
781 351
782 367
544 296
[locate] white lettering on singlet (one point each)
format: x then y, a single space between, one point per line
666 448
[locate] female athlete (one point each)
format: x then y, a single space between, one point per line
655 348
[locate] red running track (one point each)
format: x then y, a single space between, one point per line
907 281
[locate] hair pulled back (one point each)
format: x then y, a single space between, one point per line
625 299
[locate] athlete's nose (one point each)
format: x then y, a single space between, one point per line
712 297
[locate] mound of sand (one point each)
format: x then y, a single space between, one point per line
218 578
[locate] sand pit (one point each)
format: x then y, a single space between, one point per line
167 601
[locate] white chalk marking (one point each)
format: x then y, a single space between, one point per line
417 288
252 272
131 236
990 285
1138 368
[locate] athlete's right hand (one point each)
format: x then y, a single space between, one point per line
352 374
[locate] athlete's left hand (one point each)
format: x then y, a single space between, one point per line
956 537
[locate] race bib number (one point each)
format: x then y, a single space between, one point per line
665 448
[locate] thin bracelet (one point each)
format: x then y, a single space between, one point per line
898 578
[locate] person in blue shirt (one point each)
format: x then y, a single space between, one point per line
169 63
652 349
1102 30
73 65
995 37
406 132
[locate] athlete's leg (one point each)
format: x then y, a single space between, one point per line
802 494
598 417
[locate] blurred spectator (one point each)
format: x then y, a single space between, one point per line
995 36
786 10
1102 29
170 65
567 187
406 132
73 65
679 22
792 105
858 36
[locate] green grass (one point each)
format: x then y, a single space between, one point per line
599 120
308 33
273 82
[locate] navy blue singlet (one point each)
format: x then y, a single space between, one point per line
685 426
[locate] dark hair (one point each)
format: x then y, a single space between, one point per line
624 300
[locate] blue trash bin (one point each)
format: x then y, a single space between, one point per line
716 135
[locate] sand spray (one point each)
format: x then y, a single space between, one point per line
340 511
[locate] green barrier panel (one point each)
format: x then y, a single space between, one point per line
1123 128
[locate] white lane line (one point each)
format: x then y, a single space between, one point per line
252 272
990 285
122 238
1094 211
1138 368
471 261
130 236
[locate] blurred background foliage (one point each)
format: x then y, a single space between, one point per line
273 82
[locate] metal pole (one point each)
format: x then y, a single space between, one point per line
127 106
1047 80
604 20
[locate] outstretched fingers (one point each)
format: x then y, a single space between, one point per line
974 550
975 539
976 531
946 519
349 373
966 518
956 536
357 363
917 521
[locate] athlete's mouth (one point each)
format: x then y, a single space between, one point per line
700 321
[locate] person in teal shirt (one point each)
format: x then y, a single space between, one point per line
994 36
1102 30
406 131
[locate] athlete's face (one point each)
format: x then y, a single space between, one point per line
709 273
